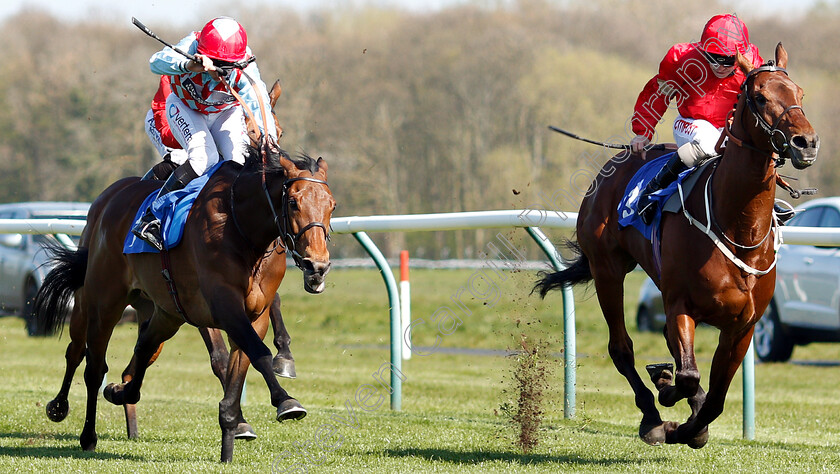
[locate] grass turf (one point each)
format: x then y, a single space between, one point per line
449 420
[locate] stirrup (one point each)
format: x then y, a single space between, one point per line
149 231
783 214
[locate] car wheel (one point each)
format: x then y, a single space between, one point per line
772 344
32 326
644 320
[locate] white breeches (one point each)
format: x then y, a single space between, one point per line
207 138
696 139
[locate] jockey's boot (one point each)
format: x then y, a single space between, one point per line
783 214
161 170
646 207
148 227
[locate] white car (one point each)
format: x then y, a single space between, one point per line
23 260
806 305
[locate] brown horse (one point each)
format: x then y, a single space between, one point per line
223 275
699 282
58 408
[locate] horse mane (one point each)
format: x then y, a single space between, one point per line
254 161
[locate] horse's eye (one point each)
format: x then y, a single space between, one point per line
293 205
760 100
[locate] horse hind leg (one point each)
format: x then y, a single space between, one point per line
610 291
283 363
58 407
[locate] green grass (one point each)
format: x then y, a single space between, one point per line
448 421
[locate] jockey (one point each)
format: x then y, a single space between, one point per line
705 81
157 128
204 117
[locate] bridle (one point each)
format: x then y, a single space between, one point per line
283 221
287 241
771 130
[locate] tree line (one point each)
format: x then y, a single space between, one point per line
415 112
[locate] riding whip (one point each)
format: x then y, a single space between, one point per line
620 146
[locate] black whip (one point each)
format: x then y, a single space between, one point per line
620 146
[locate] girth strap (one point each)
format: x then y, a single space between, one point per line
166 271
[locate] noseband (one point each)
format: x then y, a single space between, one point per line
771 130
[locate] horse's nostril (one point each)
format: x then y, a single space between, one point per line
799 142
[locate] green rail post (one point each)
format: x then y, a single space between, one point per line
394 301
569 343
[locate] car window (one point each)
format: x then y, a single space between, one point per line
830 218
808 218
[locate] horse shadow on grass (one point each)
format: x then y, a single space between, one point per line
479 457
33 447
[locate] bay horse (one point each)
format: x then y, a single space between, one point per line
226 272
283 362
699 282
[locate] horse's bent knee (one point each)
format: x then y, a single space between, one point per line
687 382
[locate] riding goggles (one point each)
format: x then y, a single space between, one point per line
719 60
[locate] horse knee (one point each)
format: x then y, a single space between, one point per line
687 381
229 415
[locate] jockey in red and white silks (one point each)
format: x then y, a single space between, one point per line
204 117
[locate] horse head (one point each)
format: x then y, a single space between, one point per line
775 103
306 208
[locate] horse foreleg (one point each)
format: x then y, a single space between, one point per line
240 331
610 292
231 421
728 356
679 332
283 363
58 407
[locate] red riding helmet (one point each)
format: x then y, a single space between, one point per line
223 38
725 35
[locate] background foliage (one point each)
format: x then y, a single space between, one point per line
415 112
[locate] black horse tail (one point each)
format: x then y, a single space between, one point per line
577 272
68 275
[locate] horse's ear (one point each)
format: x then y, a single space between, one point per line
322 164
745 64
274 93
781 56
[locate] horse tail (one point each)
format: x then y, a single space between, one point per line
578 271
68 275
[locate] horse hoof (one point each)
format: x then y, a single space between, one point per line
244 431
57 409
290 409
653 435
656 435
284 367
700 439
661 373
88 443
114 394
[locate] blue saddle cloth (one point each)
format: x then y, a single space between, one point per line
627 215
172 210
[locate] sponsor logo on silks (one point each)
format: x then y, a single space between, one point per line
684 126
179 122
214 99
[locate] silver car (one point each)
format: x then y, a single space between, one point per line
806 304
23 260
